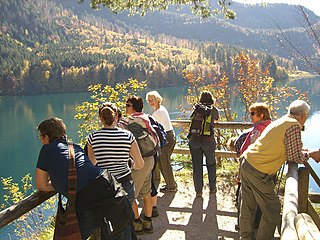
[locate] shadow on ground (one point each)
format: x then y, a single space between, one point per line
182 216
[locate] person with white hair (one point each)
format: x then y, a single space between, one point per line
278 143
164 165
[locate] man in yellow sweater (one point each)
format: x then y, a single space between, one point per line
279 142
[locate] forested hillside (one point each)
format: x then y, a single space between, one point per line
45 47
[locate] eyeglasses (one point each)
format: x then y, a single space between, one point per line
252 113
128 105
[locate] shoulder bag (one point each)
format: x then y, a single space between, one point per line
67 226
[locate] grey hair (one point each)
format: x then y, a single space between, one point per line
156 95
298 108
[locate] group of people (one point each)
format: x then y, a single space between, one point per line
115 148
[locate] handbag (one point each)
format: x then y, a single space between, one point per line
67 226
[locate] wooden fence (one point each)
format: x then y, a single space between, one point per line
299 218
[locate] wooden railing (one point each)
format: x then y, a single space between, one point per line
295 200
299 219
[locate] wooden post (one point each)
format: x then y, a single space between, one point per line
312 173
290 204
306 229
313 214
303 189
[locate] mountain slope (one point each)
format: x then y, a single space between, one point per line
55 46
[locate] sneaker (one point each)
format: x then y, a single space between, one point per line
154 212
167 189
147 226
199 194
138 226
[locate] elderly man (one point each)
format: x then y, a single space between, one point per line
280 142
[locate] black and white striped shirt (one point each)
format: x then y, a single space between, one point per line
111 147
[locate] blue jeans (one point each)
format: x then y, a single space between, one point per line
128 186
199 149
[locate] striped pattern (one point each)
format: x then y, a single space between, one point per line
66 226
111 147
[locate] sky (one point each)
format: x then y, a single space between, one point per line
313 5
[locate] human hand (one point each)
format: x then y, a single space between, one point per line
315 154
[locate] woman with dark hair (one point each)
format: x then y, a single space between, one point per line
142 178
202 142
52 175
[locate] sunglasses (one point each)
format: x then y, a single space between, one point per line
252 113
128 105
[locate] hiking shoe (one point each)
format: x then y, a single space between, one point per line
147 226
154 212
138 226
167 189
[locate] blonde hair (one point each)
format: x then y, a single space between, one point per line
154 94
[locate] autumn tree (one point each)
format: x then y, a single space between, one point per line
253 84
87 112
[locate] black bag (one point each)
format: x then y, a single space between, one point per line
198 120
113 213
239 142
66 225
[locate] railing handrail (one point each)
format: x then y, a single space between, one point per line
17 210
217 125
296 188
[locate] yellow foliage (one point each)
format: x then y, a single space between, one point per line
87 112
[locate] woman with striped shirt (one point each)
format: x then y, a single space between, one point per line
111 147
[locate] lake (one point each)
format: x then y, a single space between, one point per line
20 115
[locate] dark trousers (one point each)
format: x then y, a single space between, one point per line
200 149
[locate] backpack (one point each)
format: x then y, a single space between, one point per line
239 142
160 131
147 144
200 120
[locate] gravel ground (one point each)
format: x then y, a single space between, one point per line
183 216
